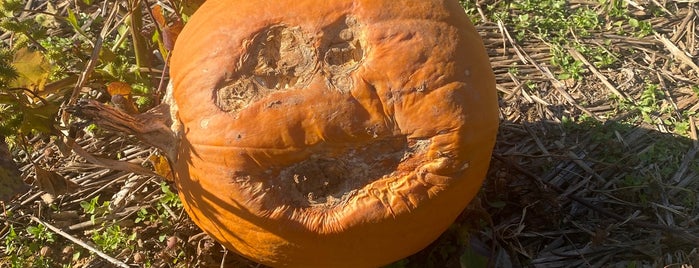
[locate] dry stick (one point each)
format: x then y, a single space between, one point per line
599 75
675 232
693 131
108 163
634 4
223 259
677 52
558 85
668 95
161 84
92 63
518 49
577 159
682 28
519 88
662 7
691 34
75 240
126 212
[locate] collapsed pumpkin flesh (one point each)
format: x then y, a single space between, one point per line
330 133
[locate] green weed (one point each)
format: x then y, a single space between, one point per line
113 238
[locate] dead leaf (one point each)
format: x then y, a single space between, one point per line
170 28
161 166
11 184
53 183
33 69
121 97
119 88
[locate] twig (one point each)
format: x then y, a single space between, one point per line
674 232
223 259
108 163
92 63
518 50
634 4
75 240
577 55
688 158
557 85
677 52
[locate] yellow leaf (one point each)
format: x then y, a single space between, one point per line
33 69
121 97
161 166
119 88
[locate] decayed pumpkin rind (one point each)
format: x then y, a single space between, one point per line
424 78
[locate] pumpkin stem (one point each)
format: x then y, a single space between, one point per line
151 127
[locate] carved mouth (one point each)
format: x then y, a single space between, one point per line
330 179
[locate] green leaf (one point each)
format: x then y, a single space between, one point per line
32 68
39 119
90 207
73 21
634 22
7 71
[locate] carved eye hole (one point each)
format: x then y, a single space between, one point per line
277 58
282 57
344 54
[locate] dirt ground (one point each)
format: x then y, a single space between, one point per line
598 171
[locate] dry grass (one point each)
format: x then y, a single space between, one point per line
600 171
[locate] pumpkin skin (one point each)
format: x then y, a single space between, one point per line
330 133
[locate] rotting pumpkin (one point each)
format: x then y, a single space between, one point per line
327 133
331 133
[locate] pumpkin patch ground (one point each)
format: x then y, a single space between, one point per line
350 134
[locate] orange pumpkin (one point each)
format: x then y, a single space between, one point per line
331 133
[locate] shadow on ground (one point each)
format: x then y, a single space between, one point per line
578 194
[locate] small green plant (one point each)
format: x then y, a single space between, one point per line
471 9
641 28
94 208
142 215
41 233
12 242
112 238
167 202
570 67
23 247
563 28
169 198
649 102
